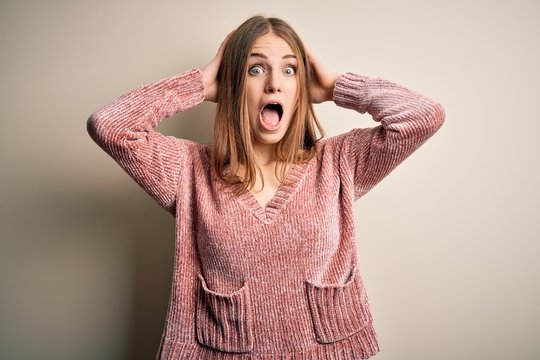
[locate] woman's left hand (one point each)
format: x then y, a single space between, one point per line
322 81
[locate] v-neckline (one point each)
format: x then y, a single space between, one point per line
284 192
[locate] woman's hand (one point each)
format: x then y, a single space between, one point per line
210 72
322 81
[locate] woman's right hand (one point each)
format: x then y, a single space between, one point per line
210 72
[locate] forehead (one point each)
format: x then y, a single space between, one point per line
271 43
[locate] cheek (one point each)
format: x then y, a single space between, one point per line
252 105
250 97
293 89
293 94
252 94
292 84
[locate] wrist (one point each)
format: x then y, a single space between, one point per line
209 90
330 89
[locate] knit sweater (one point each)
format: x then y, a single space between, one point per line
279 282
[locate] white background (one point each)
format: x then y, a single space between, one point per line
448 242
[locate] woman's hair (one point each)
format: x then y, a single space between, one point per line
233 138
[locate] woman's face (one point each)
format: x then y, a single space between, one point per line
272 88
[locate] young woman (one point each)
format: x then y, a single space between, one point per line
266 264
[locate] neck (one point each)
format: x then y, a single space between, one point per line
264 153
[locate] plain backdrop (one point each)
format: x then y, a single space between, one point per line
448 242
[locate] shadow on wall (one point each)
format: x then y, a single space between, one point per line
149 233
90 261
89 277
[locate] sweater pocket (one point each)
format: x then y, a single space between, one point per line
224 321
338 311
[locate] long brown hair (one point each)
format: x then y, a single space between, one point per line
233 138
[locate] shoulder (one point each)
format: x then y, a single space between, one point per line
190 147
339 149
340 141
331 150
188 151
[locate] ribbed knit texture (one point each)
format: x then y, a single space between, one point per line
279 282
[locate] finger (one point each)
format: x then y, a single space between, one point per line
316 66
308 51
311 57
224 43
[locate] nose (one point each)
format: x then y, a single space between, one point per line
273 84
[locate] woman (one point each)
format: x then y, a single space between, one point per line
265 263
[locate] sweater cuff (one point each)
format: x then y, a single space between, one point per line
351 92
190 87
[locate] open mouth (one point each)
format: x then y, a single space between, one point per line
271 114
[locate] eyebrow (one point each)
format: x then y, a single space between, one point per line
256 54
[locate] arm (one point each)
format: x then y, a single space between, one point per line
125 130
407 119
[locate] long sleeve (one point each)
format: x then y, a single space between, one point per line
407 119
125 130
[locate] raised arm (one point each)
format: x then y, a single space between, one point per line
407 119
125 130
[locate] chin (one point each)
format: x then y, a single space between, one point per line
269 139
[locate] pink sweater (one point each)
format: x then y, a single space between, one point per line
280 282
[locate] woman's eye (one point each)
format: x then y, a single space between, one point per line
256 70
290 70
